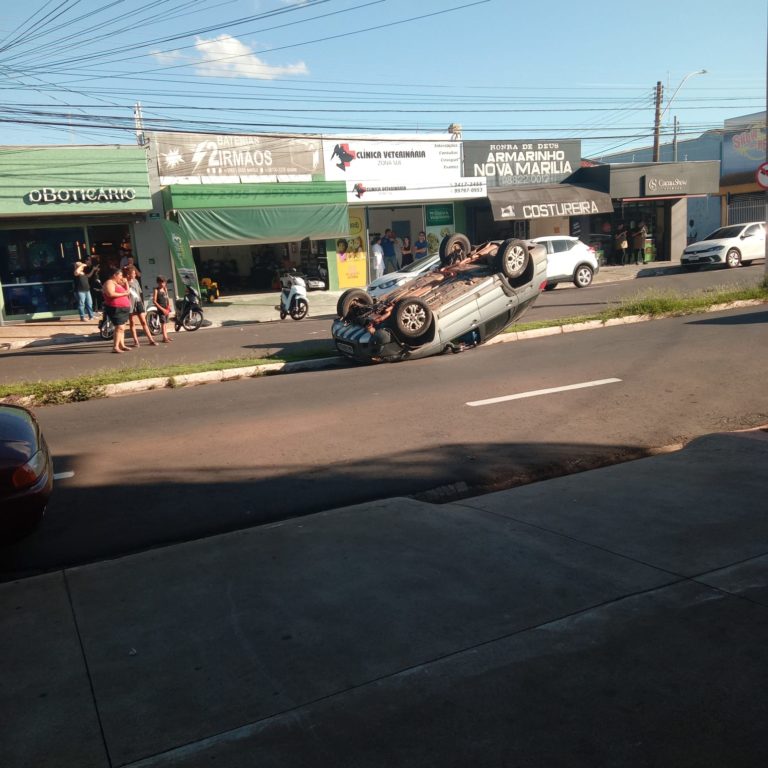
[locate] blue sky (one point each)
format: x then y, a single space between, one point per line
72 69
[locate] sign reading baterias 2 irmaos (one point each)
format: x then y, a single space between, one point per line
195 157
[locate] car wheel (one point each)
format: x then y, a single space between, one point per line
413 318
454 248
352 301
193 320
582 277
299 311
732 258
550 286
512 259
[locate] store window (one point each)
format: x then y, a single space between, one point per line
36 268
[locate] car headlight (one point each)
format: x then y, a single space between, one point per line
28 474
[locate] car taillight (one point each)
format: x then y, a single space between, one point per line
28 474
543 285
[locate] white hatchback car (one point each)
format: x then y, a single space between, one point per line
569 261
383 285
732 245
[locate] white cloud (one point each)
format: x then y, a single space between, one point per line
226 56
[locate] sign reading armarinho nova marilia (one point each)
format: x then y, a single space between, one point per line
195 158
530 161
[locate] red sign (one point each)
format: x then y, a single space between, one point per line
762 175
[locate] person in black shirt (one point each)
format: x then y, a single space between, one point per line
83 272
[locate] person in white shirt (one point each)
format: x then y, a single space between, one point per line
377 265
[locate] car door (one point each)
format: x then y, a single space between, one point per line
753 243
559 259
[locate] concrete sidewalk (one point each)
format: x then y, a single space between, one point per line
250 308
617 617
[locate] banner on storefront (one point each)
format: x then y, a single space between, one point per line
351 253
743 150
198 158
413 190
392 160
508 163
184 270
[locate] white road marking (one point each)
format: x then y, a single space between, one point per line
537 392
63 475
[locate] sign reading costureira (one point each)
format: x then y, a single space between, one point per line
192 157
508 163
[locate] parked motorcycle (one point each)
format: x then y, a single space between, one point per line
293 296
106 329
189 311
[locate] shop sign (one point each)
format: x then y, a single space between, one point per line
391 160
46 195
509 163
439 215
742 149
658 184
413 190
195 158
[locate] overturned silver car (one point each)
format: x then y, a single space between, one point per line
471 296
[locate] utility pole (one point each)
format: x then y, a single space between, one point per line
657 121
138 119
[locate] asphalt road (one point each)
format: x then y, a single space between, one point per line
313 335
179 464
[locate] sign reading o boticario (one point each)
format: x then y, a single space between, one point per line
46 195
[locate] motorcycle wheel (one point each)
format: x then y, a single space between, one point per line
299 309
153 320
106 329
192 320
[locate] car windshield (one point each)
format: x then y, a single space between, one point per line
415 266
725 233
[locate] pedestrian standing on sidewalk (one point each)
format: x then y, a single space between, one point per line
377 253
138 310
406 252
83 272
621 244
638 242
162 301
421 246
388 247
117 305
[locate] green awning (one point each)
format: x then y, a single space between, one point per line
264 224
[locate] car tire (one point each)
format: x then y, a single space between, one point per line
732 258
582 277
512 259
351 299
413 318
453 245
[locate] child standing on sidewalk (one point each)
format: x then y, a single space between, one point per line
163 304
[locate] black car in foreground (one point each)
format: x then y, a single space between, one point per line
473 294
26 470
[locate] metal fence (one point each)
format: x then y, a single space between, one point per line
751 209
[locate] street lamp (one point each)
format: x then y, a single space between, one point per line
682 82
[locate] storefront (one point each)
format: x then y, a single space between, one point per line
251 205
653 194
406 184
242 235
62 204
743 200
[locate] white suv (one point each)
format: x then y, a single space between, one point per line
732 245
568 261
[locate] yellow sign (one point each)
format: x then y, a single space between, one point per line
351 254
